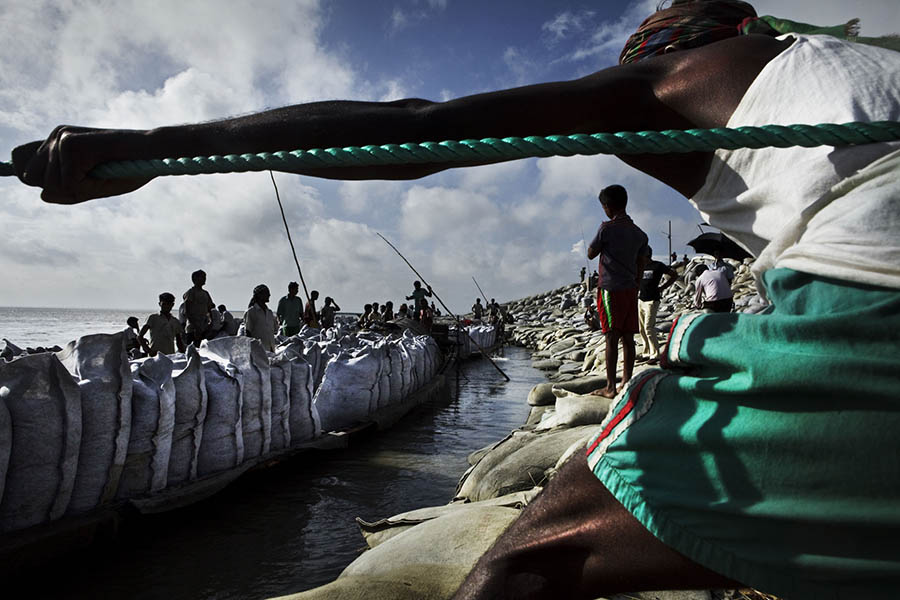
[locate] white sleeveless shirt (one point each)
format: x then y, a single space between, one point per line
828 211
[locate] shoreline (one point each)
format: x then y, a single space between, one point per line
428 552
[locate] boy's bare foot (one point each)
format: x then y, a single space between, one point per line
606 392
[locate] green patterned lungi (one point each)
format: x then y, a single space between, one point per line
768 447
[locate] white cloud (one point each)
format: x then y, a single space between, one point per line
565 24
440 212
359 197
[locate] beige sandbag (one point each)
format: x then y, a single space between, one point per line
382 530
542 393
573 410
404 583
428 562
535 416
519 463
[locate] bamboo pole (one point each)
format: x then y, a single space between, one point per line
449 312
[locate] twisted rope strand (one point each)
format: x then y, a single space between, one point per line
641 142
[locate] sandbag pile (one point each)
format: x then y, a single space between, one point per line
85 427
553 325
473 338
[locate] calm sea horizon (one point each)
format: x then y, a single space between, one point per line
30 326
33 326
39 326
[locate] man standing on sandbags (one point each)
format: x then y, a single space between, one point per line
648 302
290 311
197 305
622 248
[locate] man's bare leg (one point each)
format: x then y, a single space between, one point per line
612 358
576 541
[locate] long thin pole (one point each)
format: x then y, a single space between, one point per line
586 260
449 312
290 241
482 293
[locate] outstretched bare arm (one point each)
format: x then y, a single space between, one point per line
670 91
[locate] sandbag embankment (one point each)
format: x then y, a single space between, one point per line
86 428
552 324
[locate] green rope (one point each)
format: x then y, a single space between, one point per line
642 142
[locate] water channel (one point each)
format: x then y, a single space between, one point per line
291 527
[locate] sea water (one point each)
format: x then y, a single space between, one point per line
47 327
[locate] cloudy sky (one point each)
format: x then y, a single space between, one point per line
517 227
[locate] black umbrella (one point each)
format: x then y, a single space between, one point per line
711 241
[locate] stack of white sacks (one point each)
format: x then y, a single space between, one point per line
479 337
85 427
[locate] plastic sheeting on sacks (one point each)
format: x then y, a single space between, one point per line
222 444
190 415
395 374
101 365
384 377
250 359
152 422
280 371
304 418
41 403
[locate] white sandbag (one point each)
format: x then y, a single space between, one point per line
572 410
429 356
418 354
384 375
542 394
408 342
101 364
519 462
222 444
381 382
344 397
395 373
40 426
304 418
152 423
280 371
406 369
190 415
312 353
251 361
